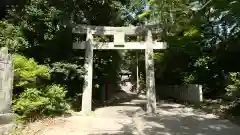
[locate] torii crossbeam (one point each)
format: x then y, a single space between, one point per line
118 43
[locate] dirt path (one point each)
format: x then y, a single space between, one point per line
128 119
177 119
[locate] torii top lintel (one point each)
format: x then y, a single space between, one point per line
119 37
109 30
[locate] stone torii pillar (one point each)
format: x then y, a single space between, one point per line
87 88
150 78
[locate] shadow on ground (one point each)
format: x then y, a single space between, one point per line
126 99
126 130
176 119
171 119
223 109
186 125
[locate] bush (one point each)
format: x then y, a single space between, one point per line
28 71
70 75
56 100
35 102
31 100
36 98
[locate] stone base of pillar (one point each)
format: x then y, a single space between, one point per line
85 114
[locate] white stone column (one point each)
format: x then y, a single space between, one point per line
150 78
87 87
137 70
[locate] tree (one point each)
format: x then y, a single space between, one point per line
42 30
203 36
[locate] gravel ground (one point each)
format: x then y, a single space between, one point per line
128 118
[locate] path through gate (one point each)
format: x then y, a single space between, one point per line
118 43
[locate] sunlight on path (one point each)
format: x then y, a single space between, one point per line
176 119
128 118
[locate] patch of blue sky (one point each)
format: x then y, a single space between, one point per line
144 6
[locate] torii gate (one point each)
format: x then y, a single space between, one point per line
118 43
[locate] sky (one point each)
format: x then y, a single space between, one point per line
145 6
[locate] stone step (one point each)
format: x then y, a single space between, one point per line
7 118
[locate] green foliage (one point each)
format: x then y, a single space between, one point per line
70 71
39 20
29 71
12 37
37 102
56 99
42 31
192 31
36 99
233 89
29 101
68 74
144 14
203 45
